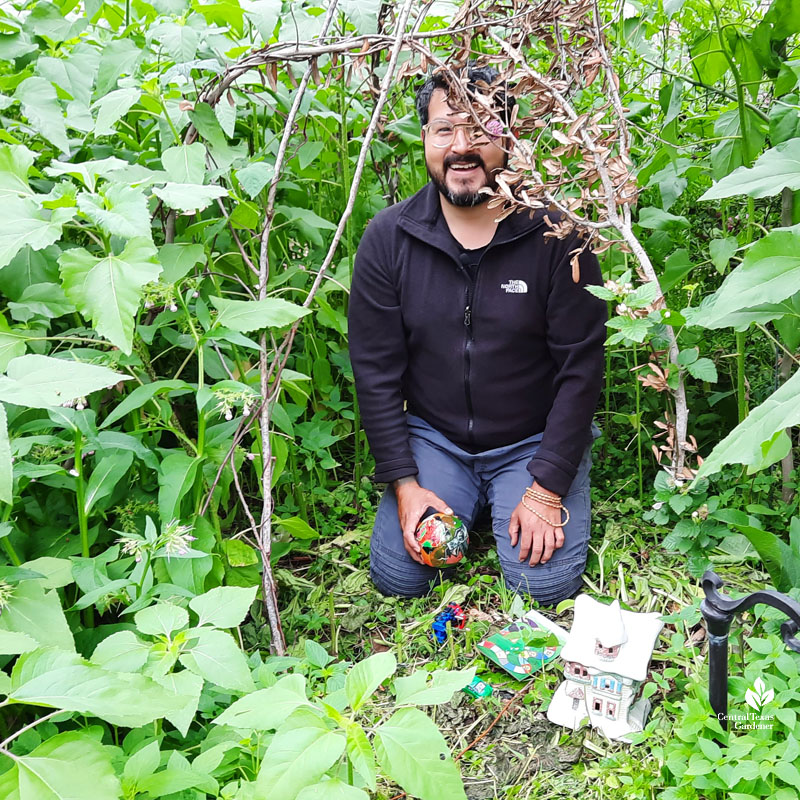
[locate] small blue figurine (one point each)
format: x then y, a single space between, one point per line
453 615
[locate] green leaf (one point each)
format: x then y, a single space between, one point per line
13 643
57 572
42 381
708 58
366 676
775 169
250 315
264 15
41 106
108 290
721 251
58 679
768 275
185 163
161 619
6 464
676 267
316 654
24 223
254 177
174 480
332 789
119 211
179 41
266 709
303 749
112 107
38 614
67 766
743 444
145 761
120 57
297 527
223 606
87 172
363 14
15 163
188 686
105 477
123 651
656 219
188 197
141 395
417 690
307 221
360 753
788 773
216 657
703 370
178 259
414 754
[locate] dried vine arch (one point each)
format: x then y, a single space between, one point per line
568 153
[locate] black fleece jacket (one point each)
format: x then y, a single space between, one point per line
488 362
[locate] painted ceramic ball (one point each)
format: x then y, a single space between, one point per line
444 539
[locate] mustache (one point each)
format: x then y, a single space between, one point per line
471 158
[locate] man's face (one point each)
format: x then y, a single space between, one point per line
461 169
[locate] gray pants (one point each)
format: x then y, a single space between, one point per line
466 482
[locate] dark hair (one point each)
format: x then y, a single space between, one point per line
489 75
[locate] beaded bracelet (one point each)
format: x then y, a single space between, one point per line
542 517
544 499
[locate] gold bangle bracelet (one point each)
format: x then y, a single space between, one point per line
542 517
545 499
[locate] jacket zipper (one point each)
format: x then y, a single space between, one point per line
468 339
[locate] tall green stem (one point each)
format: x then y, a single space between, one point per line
7 546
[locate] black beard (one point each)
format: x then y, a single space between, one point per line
462 199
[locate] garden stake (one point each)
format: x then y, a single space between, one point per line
718 611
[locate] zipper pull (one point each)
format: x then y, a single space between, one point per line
468 316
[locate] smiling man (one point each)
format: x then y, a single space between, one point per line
478 364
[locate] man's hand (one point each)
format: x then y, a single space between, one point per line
412 500
537 538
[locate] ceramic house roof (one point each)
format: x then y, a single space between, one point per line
636 640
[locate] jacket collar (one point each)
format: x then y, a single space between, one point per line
422 217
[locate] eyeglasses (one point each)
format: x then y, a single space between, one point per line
442 132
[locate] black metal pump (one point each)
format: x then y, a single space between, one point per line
718 610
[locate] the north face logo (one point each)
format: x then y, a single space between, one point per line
515 287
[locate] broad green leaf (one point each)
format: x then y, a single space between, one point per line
413 753
417 690
112 107
185 163
316 654
188 686
708 58
6 464
58 679
105 476
15 162
361 755
24 223
119 211
657 219
332 789
120 57
15 642
179 41
67 766
775 169
141 395
47 20
303 749
266 709
363 14
174 480
161 619
308 152
264 15
123 651
366 676
703 370
768 275
254 177
37 613
189 196
145 761
178 259
721 251
87 172
297 527
250 315
57 572
308 221
743 445
41 106
108 290
223 606
216 657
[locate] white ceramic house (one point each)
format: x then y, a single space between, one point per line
606 659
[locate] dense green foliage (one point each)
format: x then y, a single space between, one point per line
130 337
